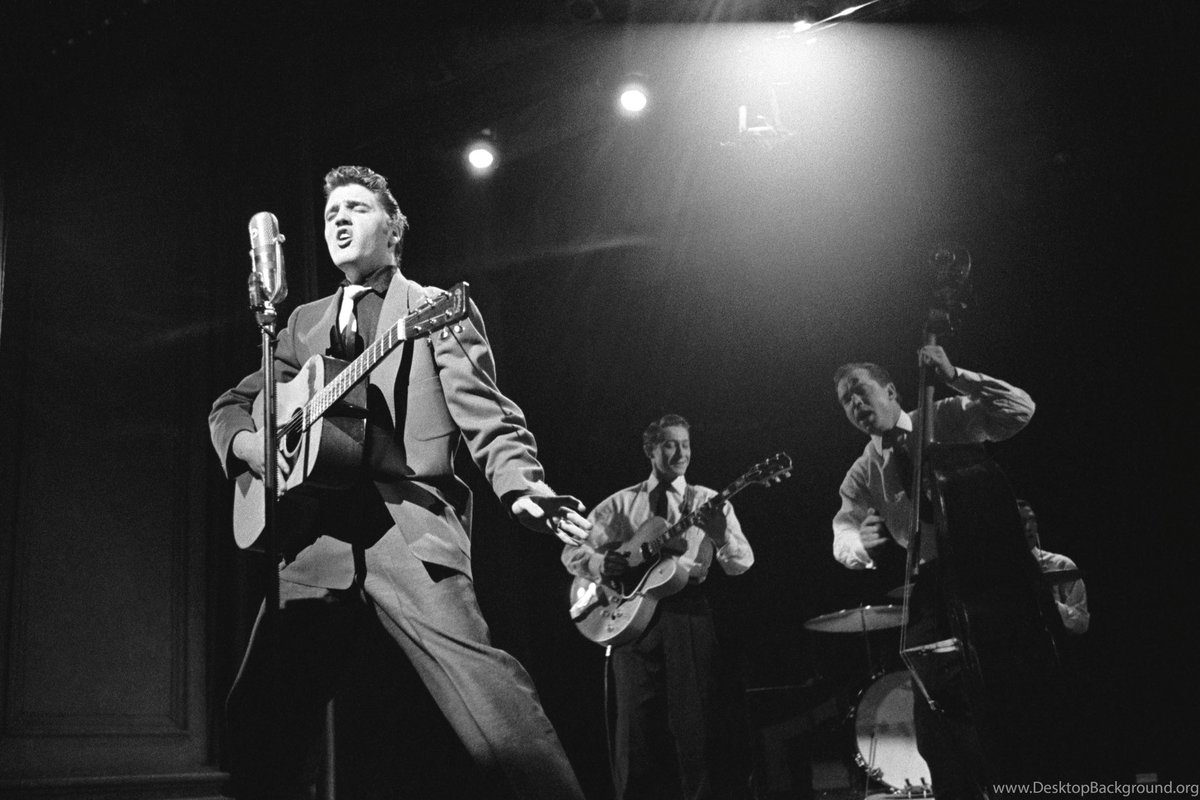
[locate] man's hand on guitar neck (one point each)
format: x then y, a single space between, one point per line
712 522
248 446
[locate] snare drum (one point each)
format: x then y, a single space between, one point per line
886 739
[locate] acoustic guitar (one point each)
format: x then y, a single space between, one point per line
321 424
615 612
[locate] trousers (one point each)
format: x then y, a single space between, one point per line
275 709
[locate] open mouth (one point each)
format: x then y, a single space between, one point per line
343 237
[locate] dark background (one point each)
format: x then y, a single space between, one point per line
626 268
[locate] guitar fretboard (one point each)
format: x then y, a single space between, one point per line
337 388
689 519
772 469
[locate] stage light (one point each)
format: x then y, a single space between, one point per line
807 14
481 157
481 154
632 97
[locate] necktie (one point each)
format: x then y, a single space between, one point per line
347 322
660 503
904 463
899 446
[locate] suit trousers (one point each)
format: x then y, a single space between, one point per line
275 713
667 714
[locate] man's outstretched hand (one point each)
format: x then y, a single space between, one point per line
558 514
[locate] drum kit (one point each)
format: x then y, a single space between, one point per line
882 711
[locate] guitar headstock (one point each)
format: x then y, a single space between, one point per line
445 309
772 470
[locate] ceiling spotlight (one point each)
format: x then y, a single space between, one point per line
481 154
481 157
632 97
807 13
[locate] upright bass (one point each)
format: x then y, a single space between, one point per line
1002 623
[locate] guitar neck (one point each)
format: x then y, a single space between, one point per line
337 388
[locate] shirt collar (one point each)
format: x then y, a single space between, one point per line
378 281
677 485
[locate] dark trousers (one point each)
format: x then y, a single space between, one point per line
276 708
947 738
671 713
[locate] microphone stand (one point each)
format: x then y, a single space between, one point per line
266 316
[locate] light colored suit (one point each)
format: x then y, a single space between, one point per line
416 575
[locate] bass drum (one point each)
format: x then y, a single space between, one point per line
885 736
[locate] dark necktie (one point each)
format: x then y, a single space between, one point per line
899 446
904 463
351 342
660 503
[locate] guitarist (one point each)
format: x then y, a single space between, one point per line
395 551
666 680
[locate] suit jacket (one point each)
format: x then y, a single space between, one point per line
439 391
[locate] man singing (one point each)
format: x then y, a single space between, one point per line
395 550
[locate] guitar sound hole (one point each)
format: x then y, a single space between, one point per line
290 442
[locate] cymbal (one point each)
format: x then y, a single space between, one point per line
900 591
857 620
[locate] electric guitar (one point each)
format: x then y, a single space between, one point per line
321 423
615 612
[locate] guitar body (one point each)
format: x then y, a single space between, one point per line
327 455
608 617
649 532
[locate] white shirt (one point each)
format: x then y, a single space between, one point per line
986 410
619 516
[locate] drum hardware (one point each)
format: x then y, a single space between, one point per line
1057 576
902 794
943 646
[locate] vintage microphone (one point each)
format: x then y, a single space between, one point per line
268 280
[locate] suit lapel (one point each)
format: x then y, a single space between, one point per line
395 305
326 326
402 295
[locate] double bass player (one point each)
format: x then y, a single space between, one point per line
874 515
